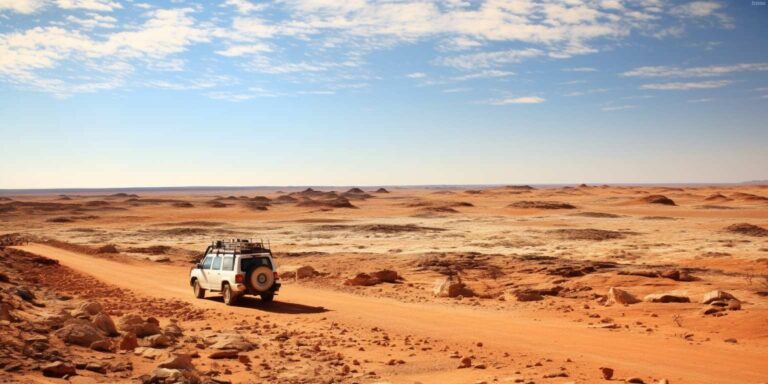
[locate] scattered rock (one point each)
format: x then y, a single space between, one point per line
450 286
128 342
133 323
527 296
103 345
179 361
386 276
157 341
465 362
635 380
230 341
165 375
362 280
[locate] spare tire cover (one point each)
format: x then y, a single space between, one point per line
261 278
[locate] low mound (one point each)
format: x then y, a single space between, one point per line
381 190
597 215
151 250
257 205
717 197
379 228
438 209
656 199
355 190
588 234
520 187
261 199
747 229
216 204
540 205
60 220
284 199
748 197
339 202
183 204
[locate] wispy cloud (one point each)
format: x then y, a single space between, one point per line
706 71
517 100
416 75
687 86
617 108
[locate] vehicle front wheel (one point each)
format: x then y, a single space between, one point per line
267 297
199 291
229 297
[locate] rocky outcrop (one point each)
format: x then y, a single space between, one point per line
620 296
134 324
666 298
80 333
450 286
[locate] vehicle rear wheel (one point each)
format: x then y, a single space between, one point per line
199 291
229 297
267 297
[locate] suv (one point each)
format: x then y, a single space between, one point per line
235 268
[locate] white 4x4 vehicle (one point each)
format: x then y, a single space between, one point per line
235 268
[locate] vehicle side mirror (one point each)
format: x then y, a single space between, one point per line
200 265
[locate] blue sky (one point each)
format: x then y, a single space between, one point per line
111 93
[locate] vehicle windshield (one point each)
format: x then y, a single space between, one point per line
251 262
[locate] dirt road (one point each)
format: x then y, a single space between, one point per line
502 331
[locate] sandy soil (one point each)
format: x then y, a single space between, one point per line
533 305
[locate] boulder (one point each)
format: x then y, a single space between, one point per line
91 308
716 295
179 361
128 342
606 372
734 305
305 271
230 341
103 346
96 366
362 280
224 354
151 353
157 341
450 286
173 330
58 369
386 276
666 298
104 323
83 334
620 296
134 324
165 375
527 296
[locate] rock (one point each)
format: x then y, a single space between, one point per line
465 362
151 353
179 361
734 305
362 280
25 294
635 380
58 369
103 345
386 276
716 295
159 259
96 366
666 298
83 334
305 271
224 354
620 296
663 381
606 372
677 275
165 375
132 323
157 341
173 330
450 286
104 323
91 308
230 341
5 312
527 296
713 310
128 342
58 320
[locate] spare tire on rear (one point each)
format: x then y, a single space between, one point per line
260 279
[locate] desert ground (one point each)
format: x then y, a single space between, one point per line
515 284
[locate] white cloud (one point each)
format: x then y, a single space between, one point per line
22 6
580 69
416 75
708 71
240 50
518 100
697 9
245 7
687 86
93 5
93 20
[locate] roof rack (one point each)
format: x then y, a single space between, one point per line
240 245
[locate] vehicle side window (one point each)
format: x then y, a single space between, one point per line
228 263
207 262
216 263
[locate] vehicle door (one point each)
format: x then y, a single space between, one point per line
214 274
205 271
228 268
